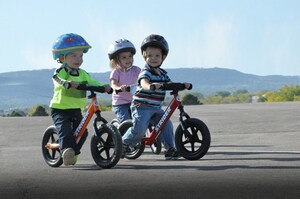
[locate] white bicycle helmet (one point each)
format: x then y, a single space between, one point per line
119 46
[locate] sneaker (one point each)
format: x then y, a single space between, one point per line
74 159
125 149
69 156
171 154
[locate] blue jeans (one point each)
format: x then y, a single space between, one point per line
66 122
141 116
122 112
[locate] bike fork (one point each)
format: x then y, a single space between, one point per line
182 115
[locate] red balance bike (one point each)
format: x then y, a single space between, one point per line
106 143
192 136
156 146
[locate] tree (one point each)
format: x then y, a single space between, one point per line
190 99
17 113
223 93
286 93
38 110
240 91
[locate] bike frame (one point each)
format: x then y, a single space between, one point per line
157 129
81 129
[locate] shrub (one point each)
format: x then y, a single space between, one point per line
38 110
190 99
17 113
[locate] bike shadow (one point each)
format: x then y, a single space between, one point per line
152 163
183 167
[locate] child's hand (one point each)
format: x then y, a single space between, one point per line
74 84
123 88
188 86
107 88
154 86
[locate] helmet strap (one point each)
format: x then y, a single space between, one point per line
121 67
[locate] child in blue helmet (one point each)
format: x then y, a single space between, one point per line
67 101
123 74
147 102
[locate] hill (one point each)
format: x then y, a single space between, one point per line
24 89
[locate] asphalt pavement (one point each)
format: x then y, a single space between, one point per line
254 153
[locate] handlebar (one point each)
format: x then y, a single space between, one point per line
173 86
126 90
87 87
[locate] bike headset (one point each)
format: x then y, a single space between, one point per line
119 46
156 41
68 43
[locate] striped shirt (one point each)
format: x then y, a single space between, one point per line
149 97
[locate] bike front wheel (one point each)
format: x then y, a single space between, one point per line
51 156
106 146
194 142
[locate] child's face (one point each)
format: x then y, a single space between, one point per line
74 59
154 56
125 59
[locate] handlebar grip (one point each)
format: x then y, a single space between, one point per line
173 86
126 90
86 87
82 87
110 91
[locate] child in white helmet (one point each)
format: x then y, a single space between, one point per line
123 74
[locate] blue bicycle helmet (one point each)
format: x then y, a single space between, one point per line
68 43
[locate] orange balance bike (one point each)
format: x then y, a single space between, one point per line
192 136
106 142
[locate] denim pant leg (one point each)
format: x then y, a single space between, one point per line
122 112
167 134
66 121
63 124
76 121
140 118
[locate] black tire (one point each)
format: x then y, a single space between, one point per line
197 145
106 146
51 156
156 147
137 151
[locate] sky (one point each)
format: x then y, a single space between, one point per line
260 37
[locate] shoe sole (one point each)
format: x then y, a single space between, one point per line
74 159
68 157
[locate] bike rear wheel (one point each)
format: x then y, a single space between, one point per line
137 151
156 147
106 146
193 143
51 156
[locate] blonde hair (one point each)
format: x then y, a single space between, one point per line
114 63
